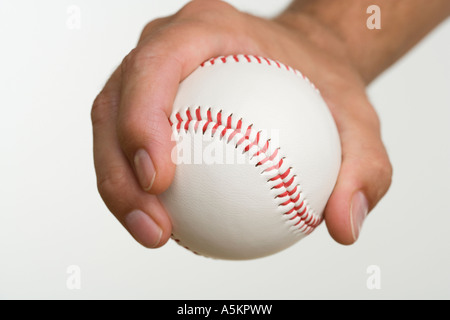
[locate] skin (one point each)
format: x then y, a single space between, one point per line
327 40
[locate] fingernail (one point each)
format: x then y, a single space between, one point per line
358 212
144 169
143 228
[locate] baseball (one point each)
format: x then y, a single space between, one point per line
257 154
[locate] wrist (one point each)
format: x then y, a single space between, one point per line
342 26
320 34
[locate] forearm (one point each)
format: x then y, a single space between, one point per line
371 51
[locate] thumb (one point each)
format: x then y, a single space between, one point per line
365 174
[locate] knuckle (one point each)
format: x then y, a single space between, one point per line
208 15
134 129
111 182
140 58
383 170
154 24
137 60
205 8
100 108
151 28
131 60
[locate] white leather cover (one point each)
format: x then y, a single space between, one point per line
238 210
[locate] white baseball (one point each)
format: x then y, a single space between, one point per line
262 159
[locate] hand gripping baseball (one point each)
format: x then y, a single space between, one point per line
132 134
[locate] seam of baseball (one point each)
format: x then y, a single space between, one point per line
273 165
245 58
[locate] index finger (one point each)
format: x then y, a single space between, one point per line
151 75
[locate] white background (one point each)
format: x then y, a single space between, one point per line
51 216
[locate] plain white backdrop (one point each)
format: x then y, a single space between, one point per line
52 218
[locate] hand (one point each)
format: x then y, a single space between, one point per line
132 143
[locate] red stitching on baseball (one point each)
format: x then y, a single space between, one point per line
307 221
259 60
274 167
179 242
